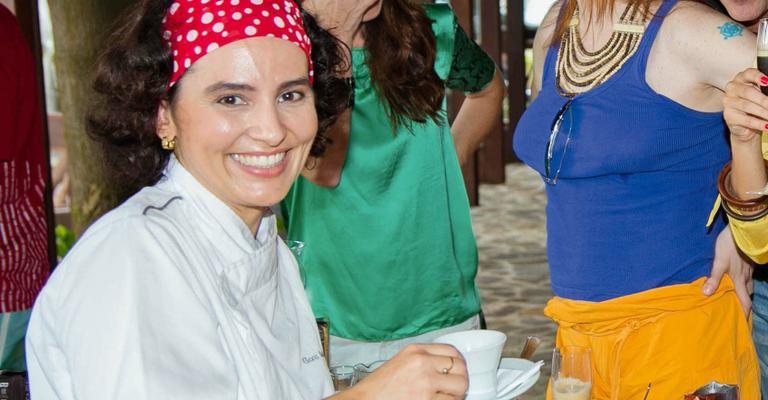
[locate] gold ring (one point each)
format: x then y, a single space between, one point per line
445 371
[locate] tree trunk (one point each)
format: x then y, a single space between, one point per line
80 28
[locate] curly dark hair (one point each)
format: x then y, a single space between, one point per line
130 83
401 57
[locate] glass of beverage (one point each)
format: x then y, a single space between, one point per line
363 370
571 373
762 50
341 375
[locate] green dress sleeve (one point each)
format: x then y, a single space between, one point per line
471 69
460 61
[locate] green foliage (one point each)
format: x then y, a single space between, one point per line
65 239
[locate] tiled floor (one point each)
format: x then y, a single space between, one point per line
513 275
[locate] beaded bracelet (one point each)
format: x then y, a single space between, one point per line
724 185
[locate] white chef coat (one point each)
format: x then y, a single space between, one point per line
170 296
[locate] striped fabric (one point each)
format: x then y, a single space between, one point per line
23 243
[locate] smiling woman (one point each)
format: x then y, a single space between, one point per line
243 137
139 73
216 119
207 111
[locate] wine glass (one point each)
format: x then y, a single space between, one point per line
571 373
762 50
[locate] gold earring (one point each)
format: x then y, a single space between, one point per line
168 143
311 163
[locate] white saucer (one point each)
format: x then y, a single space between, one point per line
518 365
514 367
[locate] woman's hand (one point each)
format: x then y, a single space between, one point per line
343 18
729 260
745 106
415 373
746 113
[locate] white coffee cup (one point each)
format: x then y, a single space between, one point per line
481 350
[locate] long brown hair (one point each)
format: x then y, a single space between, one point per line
401 58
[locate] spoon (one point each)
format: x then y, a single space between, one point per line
529 347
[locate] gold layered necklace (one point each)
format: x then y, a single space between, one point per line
579 70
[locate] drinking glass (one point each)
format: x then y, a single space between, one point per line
571 373
363 370
342 376
762 50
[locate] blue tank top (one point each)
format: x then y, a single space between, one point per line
636 182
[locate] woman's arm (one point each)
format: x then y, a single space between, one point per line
693 65
746 113
114 322
540 46
728 260
477 117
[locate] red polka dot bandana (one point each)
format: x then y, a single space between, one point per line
194 28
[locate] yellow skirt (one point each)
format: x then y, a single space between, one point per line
672 337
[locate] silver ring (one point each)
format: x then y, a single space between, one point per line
445 371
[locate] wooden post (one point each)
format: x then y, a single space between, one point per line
514 47
27 14
491 152
463 11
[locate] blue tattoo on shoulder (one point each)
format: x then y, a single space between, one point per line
730 29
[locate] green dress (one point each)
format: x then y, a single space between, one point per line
389 253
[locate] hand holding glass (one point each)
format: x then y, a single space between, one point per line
762 50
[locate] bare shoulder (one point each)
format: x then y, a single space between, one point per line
547 27
691 23
696 52
541 43
712 46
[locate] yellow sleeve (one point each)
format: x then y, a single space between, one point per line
752 236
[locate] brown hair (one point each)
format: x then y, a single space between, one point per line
598 10
401 58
